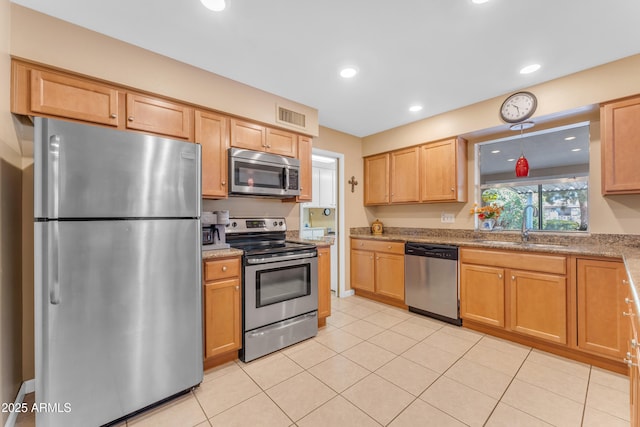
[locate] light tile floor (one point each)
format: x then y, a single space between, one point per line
377 365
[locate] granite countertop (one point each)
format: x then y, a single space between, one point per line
622 246
220 253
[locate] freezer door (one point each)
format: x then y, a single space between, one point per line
84 171
118 316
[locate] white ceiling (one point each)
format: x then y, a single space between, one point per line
443 54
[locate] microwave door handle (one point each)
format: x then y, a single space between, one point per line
286 179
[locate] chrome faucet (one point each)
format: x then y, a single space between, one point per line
525 230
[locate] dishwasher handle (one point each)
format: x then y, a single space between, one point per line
431 251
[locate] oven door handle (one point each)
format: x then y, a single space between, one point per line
285 324
281 258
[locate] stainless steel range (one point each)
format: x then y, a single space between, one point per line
280 286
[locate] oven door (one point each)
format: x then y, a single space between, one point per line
280 290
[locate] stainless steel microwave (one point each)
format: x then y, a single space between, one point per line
254 173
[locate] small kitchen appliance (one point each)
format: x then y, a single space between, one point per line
254 173
213 230
280 286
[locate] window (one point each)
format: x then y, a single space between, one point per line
557 185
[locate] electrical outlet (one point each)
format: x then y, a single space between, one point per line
447 217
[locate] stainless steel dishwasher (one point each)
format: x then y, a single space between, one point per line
431 281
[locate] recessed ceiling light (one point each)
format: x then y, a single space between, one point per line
577 149
415 108
569 138
348 72
215 5
530 69
479 1
495 151
511 160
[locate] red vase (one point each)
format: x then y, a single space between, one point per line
522 167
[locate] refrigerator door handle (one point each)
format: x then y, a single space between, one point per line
54 291
54 182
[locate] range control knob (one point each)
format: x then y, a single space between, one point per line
275 223
234 224
280 223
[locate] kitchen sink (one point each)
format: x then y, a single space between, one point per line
523 244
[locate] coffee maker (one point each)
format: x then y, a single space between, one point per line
213 224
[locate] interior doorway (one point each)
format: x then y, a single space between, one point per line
324 216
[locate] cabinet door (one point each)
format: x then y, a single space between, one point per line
222 317
158 116
405 179
327 184
282 142
212 133
482 294
601 291
376 179
62 96
539 305
443 171
362 270
324 282
248 135
390 275
620 139
306 168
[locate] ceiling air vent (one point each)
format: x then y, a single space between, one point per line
291 117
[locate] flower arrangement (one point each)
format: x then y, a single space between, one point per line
489 211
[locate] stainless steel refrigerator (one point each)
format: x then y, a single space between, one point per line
117 272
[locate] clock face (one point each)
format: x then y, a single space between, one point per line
518 107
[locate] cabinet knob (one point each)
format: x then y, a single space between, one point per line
629 355
513 277
625 281
389 247
130 118
634 343
113 115
624 313
499 276
268 145
628 301
629 362
224 268
223 183
377 257
237 288
453 189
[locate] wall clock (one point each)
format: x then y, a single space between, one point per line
518 107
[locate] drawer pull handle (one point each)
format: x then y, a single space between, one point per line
628 301
629 362
389 247
624 313
224 268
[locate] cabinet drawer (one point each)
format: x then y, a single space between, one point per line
542 263
221 269
378 246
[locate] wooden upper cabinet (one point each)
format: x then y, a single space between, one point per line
601 290
443 171
212 133
62 96
158 116
252 136
376 179
248 135
405 179
282 142
620 144
306 168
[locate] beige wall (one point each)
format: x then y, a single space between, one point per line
10 230
41 38
574 97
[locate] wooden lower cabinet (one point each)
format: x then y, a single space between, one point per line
482 294
505 290
222 310
539 305
377 270
602 329
324 284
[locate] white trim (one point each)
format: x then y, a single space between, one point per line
341 218
349 293
26 387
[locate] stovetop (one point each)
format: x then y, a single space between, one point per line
256 236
